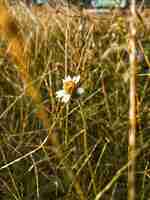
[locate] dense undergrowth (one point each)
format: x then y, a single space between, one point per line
88 137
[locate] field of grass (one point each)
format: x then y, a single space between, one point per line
50 150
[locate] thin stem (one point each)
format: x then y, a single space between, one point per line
132 109
66 71
36 177
66 42
66 124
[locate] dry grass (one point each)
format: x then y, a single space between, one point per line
76 151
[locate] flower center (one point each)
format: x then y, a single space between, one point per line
70 87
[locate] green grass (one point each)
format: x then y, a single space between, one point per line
86 153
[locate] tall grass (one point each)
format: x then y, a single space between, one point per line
50 150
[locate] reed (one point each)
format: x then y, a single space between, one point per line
133 103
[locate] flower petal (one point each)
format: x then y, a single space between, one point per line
80 91
68 78
60 93
76 79
66 98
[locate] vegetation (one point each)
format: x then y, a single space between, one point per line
50 150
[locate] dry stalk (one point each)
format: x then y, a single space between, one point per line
132 109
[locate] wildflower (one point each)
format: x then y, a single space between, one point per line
70 88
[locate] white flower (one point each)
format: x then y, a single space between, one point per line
61 94
70 87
